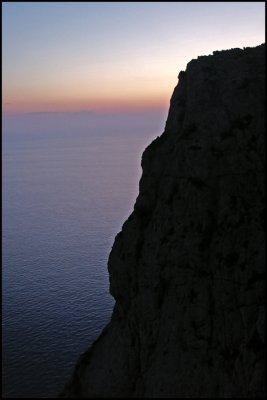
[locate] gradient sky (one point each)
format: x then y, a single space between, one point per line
113 56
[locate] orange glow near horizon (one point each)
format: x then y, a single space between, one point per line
112 103
120 89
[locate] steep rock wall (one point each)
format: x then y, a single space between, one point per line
187 269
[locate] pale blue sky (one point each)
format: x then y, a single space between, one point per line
72 56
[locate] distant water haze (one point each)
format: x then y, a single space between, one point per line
69 182
132 122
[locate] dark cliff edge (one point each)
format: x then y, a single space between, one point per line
187 269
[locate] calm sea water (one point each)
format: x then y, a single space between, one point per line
66 193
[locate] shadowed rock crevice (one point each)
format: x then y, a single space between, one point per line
187 269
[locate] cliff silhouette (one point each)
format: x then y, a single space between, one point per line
187 269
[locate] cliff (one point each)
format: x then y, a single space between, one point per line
187 269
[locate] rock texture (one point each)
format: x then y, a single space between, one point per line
187 269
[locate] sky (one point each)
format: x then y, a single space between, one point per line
112 56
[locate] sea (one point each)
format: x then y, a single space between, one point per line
69 181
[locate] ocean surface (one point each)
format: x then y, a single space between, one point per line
69 183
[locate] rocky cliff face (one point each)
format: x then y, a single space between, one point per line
187 269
